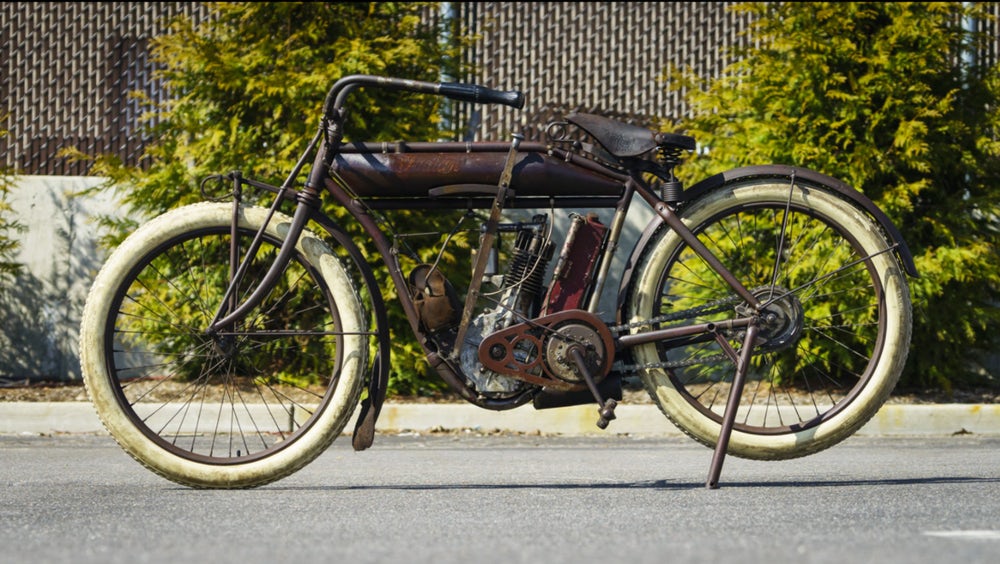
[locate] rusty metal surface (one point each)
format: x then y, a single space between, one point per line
414 174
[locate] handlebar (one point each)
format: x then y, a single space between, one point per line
482 94
454 90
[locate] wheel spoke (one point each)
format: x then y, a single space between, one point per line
191 388
818 269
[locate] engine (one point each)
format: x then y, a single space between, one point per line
520 295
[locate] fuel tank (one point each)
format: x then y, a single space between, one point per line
375 170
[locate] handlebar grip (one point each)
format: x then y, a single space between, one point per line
481 94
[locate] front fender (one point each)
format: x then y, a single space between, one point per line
378 380
903 253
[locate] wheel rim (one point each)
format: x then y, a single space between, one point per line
825 322
242 394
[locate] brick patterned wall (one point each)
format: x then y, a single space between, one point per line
66 68
65 74
601 57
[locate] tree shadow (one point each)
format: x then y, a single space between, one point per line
25 338
41 308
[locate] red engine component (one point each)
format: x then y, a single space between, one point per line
571 278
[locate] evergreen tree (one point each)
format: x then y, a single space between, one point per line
9 225
884 96
246 93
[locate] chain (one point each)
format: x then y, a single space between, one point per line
711 307
674 364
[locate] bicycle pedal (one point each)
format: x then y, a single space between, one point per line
607 414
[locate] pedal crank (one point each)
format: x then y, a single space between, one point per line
606 408
537 351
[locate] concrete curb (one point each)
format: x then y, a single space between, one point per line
638 420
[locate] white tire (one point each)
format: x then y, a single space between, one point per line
234 417
853 355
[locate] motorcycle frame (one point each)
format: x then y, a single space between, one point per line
323 176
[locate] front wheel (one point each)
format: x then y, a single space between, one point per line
244 406
834 329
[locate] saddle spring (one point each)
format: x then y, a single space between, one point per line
669 156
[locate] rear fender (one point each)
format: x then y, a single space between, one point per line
767 171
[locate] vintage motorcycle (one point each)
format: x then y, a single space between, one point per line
766 310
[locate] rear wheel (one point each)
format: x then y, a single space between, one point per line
833 336
242 407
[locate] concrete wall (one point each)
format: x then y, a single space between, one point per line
41 310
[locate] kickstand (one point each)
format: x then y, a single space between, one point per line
732 404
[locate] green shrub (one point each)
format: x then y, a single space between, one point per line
871 93
247 88
9 225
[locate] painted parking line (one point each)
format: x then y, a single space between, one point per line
966 535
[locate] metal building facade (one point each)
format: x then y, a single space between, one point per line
67 68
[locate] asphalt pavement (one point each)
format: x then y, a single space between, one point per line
511 499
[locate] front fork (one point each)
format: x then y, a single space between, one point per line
308 201
235 312
378 381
